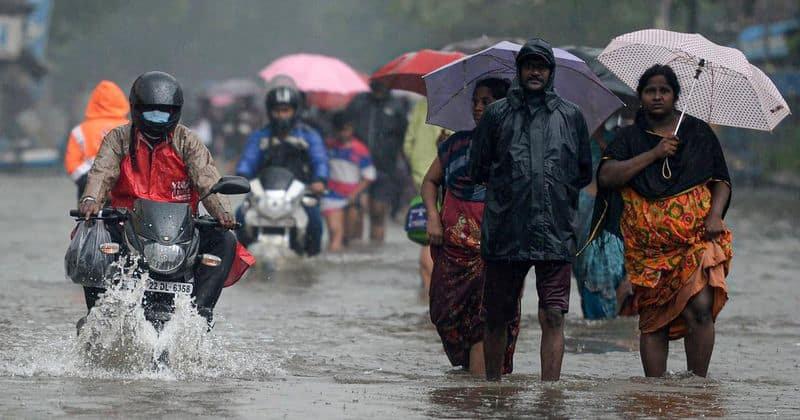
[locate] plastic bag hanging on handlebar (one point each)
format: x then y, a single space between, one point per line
84 263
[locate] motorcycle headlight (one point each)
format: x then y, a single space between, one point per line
274 205
163 258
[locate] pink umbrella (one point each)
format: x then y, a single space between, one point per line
317 73
330 101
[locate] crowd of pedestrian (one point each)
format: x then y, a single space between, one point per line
501 199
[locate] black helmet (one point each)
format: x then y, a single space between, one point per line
283 95
156 100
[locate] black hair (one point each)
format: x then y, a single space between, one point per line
339 119
498 87
659 70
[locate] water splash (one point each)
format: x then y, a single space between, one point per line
116 335
117 341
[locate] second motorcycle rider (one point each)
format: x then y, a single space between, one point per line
289 143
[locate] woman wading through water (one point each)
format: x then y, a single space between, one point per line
455 235
677 249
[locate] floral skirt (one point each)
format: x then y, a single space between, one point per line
667 260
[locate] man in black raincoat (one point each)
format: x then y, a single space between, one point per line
532 151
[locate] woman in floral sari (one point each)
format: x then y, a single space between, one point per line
455 232
670 195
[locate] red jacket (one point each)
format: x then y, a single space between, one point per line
159 175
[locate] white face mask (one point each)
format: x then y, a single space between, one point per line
156 116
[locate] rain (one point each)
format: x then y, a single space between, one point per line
342 328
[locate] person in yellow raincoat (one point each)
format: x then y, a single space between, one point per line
420 148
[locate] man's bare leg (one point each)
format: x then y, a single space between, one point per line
377 220
476 363
354 224
494 349
552 347
699 342
654 348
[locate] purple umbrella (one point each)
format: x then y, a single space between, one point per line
450 87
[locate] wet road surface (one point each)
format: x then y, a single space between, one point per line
348 337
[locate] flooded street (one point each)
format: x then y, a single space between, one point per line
349 337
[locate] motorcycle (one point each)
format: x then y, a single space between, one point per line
162 240
274 218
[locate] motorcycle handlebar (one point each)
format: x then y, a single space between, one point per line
211 223
115 215
108 213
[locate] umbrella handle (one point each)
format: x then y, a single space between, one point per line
666 171
691 91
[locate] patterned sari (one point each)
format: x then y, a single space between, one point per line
456 293
667 260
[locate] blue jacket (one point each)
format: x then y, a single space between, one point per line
255 152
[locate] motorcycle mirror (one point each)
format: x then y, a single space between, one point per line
229 185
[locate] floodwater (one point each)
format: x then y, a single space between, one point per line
348 337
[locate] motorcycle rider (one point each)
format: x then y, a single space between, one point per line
158 159
292 144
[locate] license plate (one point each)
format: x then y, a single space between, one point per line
169 287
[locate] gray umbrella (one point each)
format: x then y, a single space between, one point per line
611 81
474 45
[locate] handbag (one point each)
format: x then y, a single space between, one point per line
416 225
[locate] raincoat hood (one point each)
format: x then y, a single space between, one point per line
537 46
107 101
516 93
